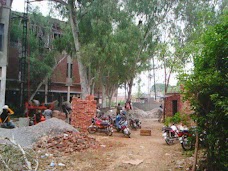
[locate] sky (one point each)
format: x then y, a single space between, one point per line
18 5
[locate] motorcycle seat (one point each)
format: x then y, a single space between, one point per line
167 129
104 123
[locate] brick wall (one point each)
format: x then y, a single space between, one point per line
168 104
182 106
82 112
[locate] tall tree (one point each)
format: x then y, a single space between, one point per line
72 10
149 14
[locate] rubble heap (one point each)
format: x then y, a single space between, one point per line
82 112
66 143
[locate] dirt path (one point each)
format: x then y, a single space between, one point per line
138 153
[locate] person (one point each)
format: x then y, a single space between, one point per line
98 112
5 117
175 129
161 106
128 105
47 113
118 109
66 107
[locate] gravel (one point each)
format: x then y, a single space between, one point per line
26 136
155 113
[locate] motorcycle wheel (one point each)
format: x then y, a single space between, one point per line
118 129
109 131
127 134
169 140
186 144
92 130
132 125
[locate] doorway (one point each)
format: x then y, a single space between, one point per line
174 103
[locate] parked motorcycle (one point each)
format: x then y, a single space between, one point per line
188 140
170 135
134 123
123 127
99 125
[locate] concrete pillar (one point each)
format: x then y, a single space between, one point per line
5 9
2 85
69 76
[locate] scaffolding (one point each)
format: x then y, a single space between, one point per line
24 55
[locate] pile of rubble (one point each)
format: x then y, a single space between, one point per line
26 136
67 142
154 113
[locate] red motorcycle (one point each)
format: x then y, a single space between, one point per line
171 135
99 125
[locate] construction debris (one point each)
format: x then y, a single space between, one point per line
67 142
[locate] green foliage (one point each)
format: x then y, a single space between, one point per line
177 118
15 30
206 89
168 121
40 59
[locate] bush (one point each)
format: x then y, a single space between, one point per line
177 118
207 89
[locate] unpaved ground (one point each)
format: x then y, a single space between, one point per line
138 153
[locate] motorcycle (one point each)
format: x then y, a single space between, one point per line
170 135
135 123
188 140
99 125
123 127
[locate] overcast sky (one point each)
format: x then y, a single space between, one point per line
18 5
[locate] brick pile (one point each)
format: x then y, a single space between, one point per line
67 142
82 112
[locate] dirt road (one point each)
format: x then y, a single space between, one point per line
138 153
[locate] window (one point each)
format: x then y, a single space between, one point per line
1 36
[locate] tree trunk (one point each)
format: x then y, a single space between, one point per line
196 151
130 84
165 76
46 91
85 88
109 102
103 96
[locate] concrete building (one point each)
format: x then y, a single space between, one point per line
5 8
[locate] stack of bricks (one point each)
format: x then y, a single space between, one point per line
82 112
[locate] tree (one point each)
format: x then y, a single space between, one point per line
149 14
72 9
206 89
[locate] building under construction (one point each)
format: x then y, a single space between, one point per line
64 80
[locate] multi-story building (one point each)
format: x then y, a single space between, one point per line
64 81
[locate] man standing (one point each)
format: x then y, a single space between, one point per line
47 113
66 107
118 109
